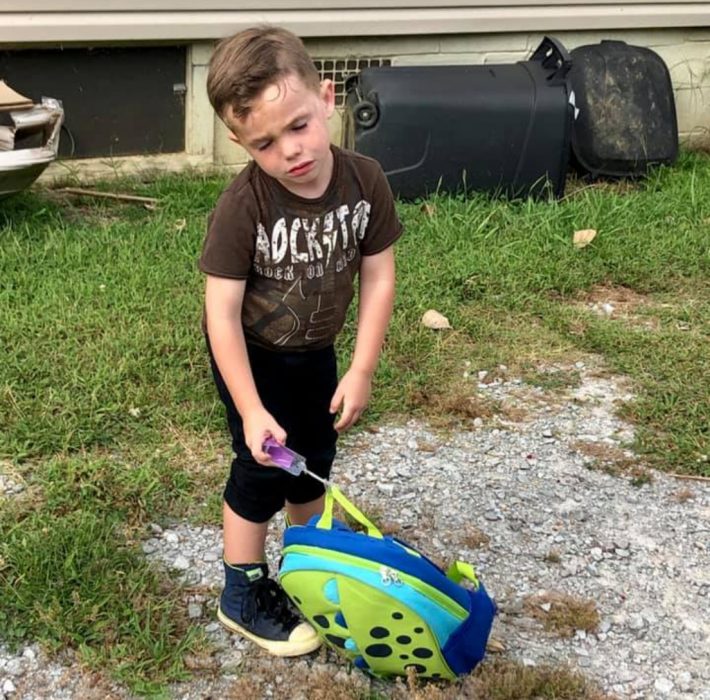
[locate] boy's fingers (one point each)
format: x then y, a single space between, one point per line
348 417
335 402
261 457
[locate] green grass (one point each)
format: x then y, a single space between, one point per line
109 414
71 581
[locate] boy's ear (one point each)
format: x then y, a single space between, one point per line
230 130
327 94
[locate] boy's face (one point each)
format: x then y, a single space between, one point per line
286 133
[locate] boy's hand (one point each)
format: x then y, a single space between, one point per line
352 394
258 426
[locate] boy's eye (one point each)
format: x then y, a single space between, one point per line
299 126
263 146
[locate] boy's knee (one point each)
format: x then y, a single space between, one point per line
301 513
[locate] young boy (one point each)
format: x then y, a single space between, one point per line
284 244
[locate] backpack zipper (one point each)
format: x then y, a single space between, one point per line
388 576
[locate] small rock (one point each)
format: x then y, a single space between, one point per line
568 506
626 676
684 680
636 622
171 538
663 685
14 667
8 687
181 563
491 515
387 489
149 546
194 610
597 554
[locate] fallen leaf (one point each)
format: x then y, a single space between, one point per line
495 646
180 225
584 237
428 209
434 320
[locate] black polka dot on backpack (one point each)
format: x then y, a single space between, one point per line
335 639
404 639
379 632
397 616
379 651
422 653
321 621
419 630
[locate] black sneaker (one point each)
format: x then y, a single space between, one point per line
256 607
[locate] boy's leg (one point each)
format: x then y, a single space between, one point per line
251 603
314 436
243 539
301 513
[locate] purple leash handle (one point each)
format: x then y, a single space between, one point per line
288 460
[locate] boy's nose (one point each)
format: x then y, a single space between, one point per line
292 148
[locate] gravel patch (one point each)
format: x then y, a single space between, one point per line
521 502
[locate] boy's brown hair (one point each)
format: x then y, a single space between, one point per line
245 64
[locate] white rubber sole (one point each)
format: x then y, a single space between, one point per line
295 648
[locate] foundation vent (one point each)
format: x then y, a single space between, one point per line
339 69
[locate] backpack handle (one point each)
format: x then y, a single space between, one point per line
325 522
460 570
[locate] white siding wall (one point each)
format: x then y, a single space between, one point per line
146 20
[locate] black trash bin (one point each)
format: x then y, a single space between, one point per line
495 128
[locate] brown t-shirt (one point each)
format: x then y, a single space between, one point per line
299 256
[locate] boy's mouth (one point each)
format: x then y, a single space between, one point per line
301 168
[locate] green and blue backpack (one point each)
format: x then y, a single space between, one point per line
381 603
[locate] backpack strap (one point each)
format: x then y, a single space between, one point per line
332 494
461 570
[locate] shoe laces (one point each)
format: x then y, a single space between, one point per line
265 596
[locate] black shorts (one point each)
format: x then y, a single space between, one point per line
296 388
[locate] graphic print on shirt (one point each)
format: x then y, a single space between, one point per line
304 270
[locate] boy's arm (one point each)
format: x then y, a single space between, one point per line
223 302
377 279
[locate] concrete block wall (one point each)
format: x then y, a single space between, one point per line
685 51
